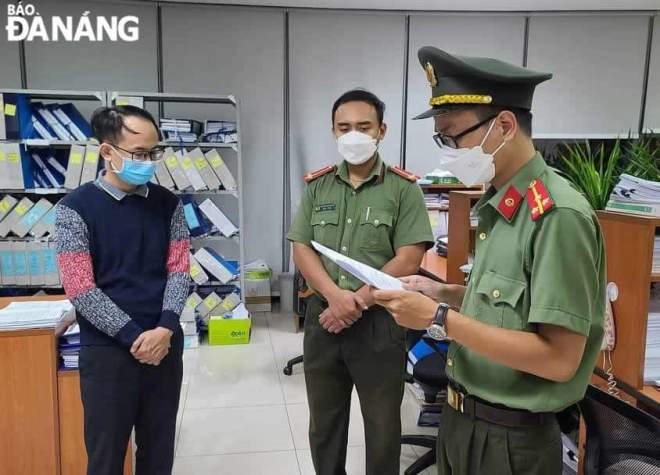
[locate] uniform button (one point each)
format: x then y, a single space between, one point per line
482 236
450 362
349 220
344 249
496 294
343 277
353 193
376 222
322 223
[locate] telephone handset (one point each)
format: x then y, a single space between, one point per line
609 336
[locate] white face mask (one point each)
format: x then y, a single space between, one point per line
356 147
470 165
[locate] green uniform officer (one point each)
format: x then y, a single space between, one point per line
375 214
527 329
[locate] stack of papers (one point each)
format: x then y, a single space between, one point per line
69 347
635 195
436 201
439 177
220 131
652 363
656 255
25 315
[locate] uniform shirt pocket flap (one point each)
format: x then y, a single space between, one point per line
376 217
321 218
500 289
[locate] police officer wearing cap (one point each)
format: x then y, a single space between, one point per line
526 331
373 213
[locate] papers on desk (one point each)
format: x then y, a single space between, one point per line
652 363
365 273
24 315
635 195
69 347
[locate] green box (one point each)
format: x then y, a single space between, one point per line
227 331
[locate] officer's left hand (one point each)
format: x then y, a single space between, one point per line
409 309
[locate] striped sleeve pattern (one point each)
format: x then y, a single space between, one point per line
75 263
178 271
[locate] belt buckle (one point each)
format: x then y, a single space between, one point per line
455 400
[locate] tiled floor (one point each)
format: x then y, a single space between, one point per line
241 416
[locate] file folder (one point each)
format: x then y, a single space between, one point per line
130 100
40 128
7 263
56 165
51 271
6 205
191 172
208 304
197 224
177 173
216 265
35 262
74 122
12 218
46 225
218 218
188 314
5 181
3 129
17 116
221 170
31 218
91 165
230 302
14 166
196 272
204 168
56 126
163 175
21 272
74 168
53 180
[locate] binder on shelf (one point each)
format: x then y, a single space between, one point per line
216 265
40 128
35 262
197 224
188 314
73 120
196 272
221 170
19 249
46 225
39 179
174 167
163 175
5 182
6 205
3 128
14 166
7 263
17 213
218 218
54 179
204 168
211 301
57 165
190 170
51 272
32 217
74 168
230 302
90 165
130 100
17 116
56 126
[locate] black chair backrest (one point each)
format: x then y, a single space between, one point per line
621 439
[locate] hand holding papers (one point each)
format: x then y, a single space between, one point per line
365 273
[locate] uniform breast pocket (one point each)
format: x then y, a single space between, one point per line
376 229
500 300
325 224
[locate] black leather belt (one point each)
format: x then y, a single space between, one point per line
473 407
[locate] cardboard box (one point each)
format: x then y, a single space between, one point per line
230 331
257 287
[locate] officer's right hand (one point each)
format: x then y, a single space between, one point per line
346 305
429 287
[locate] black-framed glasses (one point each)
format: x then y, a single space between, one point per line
153 155
451 141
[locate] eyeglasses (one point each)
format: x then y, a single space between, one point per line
451 141
153 155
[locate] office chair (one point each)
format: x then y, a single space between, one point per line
429 373
300 294
621 439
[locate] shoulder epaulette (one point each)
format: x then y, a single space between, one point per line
539 199
318 173
404 173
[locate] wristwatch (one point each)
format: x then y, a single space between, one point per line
437 329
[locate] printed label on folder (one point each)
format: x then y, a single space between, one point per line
92 157
2 155
4 206
211 303
186 163
216 162
10 110
76 158
172 162
13 157
201 163
21 209
194 271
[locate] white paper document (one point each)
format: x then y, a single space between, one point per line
365 273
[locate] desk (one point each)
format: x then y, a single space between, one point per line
41 430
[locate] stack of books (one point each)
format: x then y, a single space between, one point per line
636 196
220 131
69 347
652 363
180 130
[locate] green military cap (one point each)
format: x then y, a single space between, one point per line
459 80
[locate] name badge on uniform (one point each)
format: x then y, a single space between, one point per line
326 207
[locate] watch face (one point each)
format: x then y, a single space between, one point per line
437 332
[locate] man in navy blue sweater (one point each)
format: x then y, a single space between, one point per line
122 246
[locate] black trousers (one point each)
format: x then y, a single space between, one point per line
370 356
119 393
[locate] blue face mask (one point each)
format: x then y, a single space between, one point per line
135 172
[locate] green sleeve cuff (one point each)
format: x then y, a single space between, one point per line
560 318
295 237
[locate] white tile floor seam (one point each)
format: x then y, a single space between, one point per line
239 414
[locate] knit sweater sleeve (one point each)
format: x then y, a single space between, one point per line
178 271
75 263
